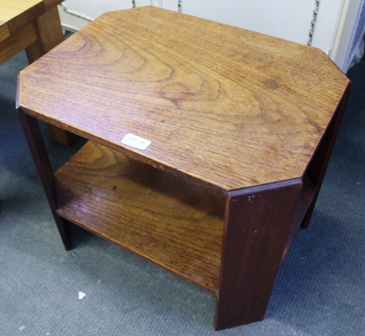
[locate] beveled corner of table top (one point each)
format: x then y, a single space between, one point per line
225 106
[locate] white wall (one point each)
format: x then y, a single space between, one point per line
343 41
326 26
288 19
282 18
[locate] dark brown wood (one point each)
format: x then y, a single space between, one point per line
306 201
174 224
194 88
258 221
241 128
318 165
37 148
314 175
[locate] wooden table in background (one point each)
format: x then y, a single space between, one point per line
230 133
33 25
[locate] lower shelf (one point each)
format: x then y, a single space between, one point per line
176 225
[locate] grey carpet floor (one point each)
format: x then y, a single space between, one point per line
320 289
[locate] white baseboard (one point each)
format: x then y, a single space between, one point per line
71 20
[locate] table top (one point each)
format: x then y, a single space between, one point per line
13 9
224 106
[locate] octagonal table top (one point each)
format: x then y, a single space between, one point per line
218 104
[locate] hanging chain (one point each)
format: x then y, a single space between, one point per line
178 5
313 22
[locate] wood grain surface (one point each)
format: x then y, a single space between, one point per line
226 107
151 213
10 10
4 32
241 127
19 40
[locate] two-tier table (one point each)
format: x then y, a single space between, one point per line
207 145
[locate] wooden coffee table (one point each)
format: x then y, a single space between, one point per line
33 25
208 145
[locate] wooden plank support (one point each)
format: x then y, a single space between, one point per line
38 150
318 165
257 225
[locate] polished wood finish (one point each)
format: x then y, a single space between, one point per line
241 128
174 224
258 221
33 25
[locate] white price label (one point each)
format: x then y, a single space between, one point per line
135 141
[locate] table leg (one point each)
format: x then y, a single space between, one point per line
318 165
50 34
38 150
257 225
